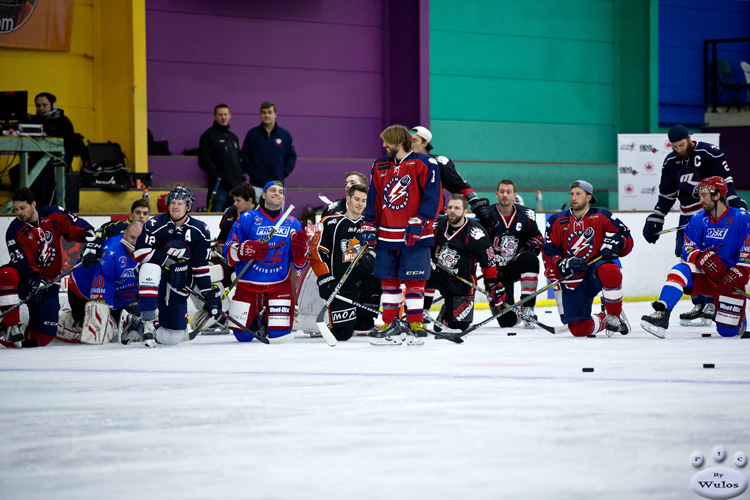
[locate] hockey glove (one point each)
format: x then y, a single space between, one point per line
414 230
534 244
497 293
213 302
299 248
711 264
92 251
35 283
252 250
481 208
737 202
177 274
654 224
611 246
735 277
326 285
367 233
365 264
572 266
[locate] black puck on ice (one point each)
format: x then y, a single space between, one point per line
708 365
706 335
588 370
511 334
547 312
592 336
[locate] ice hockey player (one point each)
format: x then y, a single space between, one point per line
339 206
517 241
99 295
264 300
243 195
172 248
33 240
449 176
574 238
402 203
687 164
716 260
92 251
334 247
460 244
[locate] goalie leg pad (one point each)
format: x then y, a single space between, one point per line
244 312
9 280
67 329
98 326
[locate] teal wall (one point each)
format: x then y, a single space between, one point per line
537 91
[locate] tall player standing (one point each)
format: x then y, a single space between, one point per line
402 203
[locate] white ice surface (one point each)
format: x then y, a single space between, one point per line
495 417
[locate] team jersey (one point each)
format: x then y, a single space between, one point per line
162 240
113 228
729 237
276 267
399 191
510 236
36 247
451 179
336 207
227 221
334 245
567 236
112 280
680 177
461 249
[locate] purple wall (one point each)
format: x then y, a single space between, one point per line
336 69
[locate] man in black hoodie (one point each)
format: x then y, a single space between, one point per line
219 157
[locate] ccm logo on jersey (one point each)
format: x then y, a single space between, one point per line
717 233
579 243
397 191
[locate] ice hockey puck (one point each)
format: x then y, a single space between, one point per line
547 312
706 335
708 365
511 334
588 370
592 336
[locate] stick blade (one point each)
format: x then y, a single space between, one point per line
328 335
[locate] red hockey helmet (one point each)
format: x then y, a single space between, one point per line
713 184
161 203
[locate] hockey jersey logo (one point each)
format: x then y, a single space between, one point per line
349 249
448 257
717 233
507 247
476 233
397 191
46 249
579 243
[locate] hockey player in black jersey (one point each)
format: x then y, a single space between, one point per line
689 163
339 206
517 242
450 178
460 244
334 247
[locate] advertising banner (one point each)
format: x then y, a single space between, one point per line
36 24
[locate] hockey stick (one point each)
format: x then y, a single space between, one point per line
228 317
324 199
213 193
522 301
328 336
357 304
671 230
528 318
42 288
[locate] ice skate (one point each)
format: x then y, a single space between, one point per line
388 334
149 334
528 312
699 315
657 322
624 324
416 334
11 335
612 323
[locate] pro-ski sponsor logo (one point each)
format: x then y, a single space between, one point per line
266 230
719 482
717 233
397 192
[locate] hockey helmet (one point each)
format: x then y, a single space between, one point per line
161 203
713 184
181 193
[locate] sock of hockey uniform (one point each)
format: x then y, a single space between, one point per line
429 296
149 278
391 298
588 326
529 282
678 279
415 300
611 278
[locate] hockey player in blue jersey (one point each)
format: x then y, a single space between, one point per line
716 260
265 297
687 164
172 247
98 295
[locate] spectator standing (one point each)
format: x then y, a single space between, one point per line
219 157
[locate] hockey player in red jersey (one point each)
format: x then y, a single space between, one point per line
574 238
33 240
402 204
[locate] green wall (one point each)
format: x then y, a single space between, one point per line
537 91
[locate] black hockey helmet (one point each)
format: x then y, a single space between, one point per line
181 193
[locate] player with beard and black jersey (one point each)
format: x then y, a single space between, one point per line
460 244
339 206
334 247
517 241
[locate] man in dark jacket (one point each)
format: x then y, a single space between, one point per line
219 157
268 151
